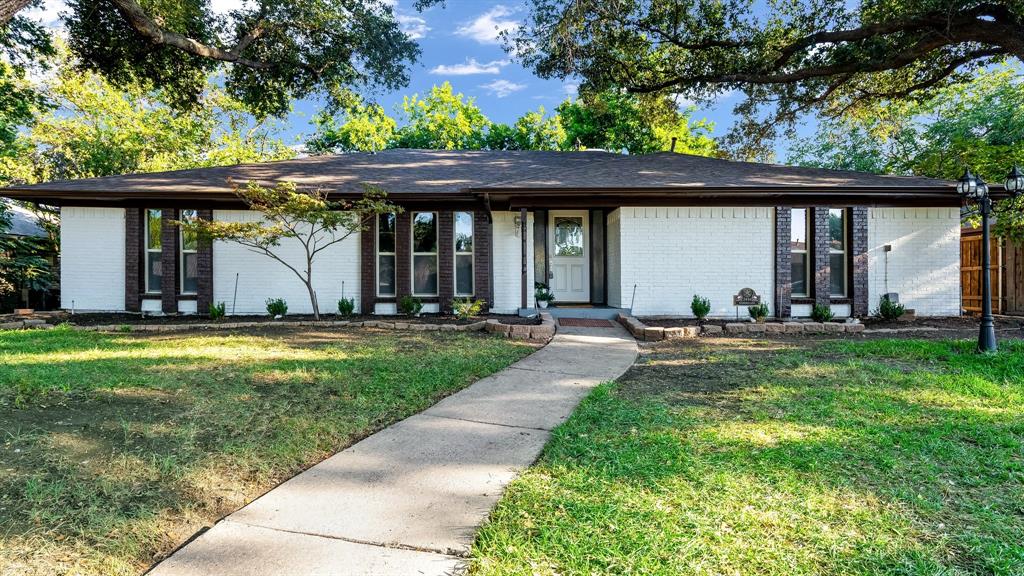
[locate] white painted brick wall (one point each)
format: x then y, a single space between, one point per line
92 258
261 277
924 264
673 253
614 256
508 264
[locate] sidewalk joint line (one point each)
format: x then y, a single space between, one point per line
389 545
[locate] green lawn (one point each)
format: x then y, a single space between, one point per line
115 448
766 457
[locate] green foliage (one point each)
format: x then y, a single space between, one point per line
217 311
23 262
541 293
465 308
277 307
442 120
366 128
410 305
700 306
532 131
888 309
758 312
822 313
346 306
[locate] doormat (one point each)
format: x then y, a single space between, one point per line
585 322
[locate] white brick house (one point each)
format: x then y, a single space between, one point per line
603 230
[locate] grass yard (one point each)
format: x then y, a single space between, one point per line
779 458
116 448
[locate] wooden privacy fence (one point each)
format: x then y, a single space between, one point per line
1007 271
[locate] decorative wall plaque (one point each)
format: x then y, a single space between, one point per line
746 297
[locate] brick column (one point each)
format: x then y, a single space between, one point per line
482 257
859 249
204 269
132 259
783 261
445 259
368 267
168 262
403 254
820 244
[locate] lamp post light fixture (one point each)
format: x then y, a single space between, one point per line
973 189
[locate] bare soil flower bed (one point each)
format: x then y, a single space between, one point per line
944 322
103 319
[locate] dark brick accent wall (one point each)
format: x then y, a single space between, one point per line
820 257
204 269
368 269
132 259
169 262
859 252
482 257
403 254
783 261
445 259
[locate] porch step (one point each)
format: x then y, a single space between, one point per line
597 312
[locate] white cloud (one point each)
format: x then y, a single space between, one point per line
487 26
413 26
470 66
502 88
571 89
225 6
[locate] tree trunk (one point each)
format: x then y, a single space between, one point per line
312 300
8 8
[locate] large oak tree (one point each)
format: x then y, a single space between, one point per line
789 56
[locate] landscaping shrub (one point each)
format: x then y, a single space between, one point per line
465 308
700 306
217 311
822 313
277 307
541 293
346 306
758 312
888 309
410 305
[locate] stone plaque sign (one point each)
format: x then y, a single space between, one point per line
746 297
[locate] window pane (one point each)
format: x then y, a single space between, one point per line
837 273
463 232
424 232
386 275
799 271
569 236
188 238
836 238
153 229
798 232
153 271
386 233
464 274
189 274
424 274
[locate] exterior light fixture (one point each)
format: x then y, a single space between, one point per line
974 190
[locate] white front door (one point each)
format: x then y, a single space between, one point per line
569 257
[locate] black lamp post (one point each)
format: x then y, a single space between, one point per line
974 189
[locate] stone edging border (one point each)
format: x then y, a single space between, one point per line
541 332
641 331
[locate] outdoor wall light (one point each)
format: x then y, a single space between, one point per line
973 189
1015 182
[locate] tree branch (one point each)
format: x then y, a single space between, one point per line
8 8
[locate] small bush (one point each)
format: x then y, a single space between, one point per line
888 309
700 306
822 313
124 328
217 311
410 305
465 308
758 312
541 292
277 307
346 306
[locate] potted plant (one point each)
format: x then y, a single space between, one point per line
542 294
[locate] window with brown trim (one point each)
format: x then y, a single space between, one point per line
189 260
800 259
463 253
386 255
837 251
424 253
152 245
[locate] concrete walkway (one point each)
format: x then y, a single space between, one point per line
408 500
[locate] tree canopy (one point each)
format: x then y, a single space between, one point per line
789 57
269 51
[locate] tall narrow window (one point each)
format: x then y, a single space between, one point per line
386 255
424 253
153 239
799 259
463 253
189 258
837 251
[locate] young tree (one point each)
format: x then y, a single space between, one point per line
788 57
305 217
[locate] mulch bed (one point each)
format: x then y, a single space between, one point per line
103 319
944 322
